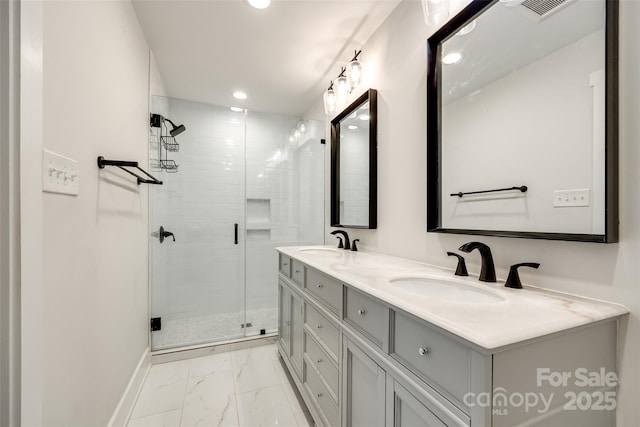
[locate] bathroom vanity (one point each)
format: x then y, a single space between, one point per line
372 340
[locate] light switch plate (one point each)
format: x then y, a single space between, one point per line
571 198
59 174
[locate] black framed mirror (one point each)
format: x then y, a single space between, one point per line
354 164
522 121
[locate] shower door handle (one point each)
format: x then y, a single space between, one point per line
235 233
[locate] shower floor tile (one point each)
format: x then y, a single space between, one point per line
215 392
216 327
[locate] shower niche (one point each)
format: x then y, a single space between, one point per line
244 188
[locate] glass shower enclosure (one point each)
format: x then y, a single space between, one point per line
236 185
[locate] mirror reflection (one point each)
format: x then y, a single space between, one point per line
353 154
523 104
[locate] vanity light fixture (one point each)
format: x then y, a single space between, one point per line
239 95
354 71
435 11
342 88
260 4
348 80
329 99
452 58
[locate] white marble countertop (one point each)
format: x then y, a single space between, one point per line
518 315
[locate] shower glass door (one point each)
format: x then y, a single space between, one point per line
197 282
235 186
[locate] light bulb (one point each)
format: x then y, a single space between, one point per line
342 90
354 72
329 102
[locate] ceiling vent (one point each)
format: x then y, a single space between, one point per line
539 10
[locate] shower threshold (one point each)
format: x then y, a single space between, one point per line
214 329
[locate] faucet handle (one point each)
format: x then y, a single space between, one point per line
340 245
354 248
513 280
461 269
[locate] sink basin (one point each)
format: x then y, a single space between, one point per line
321 251
445 289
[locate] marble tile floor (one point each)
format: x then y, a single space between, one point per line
243 388
215 327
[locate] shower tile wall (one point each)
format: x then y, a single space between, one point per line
198 282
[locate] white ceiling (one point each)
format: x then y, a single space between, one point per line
504 41
207 49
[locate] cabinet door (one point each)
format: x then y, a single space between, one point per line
363 389
284 317
297 332
404 410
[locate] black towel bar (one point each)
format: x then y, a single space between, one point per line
522 188
122 164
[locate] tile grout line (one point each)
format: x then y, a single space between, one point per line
235 389
184 396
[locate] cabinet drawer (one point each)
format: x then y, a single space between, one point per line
436 358
297 272
285 265
320 396
367 315
326 288
323 363
323 330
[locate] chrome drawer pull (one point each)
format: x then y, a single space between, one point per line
319 361
297 271
288 323
362 312
285 264
423 351
319 285
319 326
318 394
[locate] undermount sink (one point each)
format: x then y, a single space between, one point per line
445 289
321 251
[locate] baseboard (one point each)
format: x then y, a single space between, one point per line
125 406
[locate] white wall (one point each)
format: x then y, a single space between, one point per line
396 55
95 245
492 142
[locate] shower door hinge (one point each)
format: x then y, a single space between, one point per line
156 323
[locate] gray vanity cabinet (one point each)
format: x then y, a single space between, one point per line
405 410
359 361
284 317
364 389
290 325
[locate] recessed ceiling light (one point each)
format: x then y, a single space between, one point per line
452 58
237 109
364 116
260 4
467 28
239 95
353 127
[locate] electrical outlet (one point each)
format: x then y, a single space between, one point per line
571 198
59 174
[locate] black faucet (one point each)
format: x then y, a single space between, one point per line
461 269
347 243
513 280
488 270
